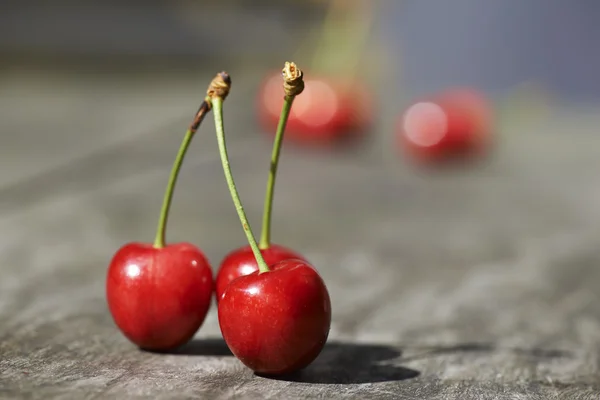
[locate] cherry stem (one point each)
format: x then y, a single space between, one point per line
265 238
160 239
293 85
217 104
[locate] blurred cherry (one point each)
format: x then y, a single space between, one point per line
329 110
454 125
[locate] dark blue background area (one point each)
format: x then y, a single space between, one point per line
497 44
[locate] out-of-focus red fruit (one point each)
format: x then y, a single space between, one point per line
457 124
328 110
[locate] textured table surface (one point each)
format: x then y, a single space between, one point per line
469 284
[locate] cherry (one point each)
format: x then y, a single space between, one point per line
242 261
158 294
276 322
277 319
326 113
455 125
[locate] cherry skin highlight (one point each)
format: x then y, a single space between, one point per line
242 262
325 113
456 124
159 297
276 322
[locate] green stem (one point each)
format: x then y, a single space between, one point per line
217 104
160 239
265 237
344 36
326 36
360 39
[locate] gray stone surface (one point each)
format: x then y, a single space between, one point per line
467 284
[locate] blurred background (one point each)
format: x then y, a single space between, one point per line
492 45
82 83
540 53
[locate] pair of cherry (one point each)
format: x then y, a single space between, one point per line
274 308
454 124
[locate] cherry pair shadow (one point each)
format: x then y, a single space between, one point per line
338 363
209 347
352 363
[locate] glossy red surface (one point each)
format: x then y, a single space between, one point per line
455 124
326 111
159 297
276 322
242 262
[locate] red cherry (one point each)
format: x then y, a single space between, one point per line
159 294
456 124
276 322
159 297
242 262
326 112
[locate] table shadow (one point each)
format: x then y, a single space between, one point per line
352 363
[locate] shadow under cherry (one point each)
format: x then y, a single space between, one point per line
207 347
352 363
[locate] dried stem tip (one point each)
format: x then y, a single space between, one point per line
293 81
219 86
